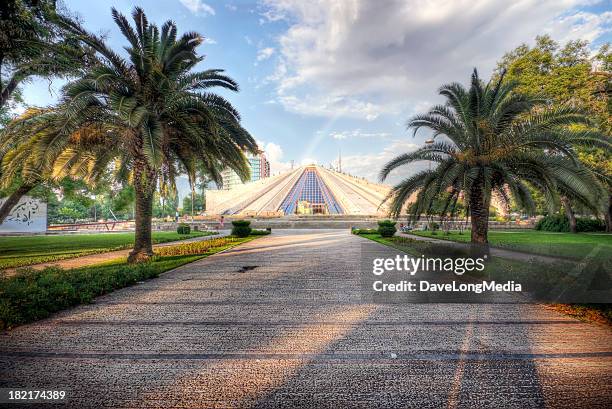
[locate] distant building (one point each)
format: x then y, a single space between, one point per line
259 166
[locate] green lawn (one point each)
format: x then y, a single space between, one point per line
566 245
30 295
27 250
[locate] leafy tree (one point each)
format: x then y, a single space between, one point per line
569 75
69 211
31 44
120 202
142 115
165 205
490 138
600 161
198 204
7 111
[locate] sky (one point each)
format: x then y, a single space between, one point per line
318 77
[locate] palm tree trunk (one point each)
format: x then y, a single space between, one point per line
479 214
569 212
608 215
144 187
13 200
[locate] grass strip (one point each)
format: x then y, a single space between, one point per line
563 245
25 251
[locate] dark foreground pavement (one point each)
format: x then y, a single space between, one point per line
280 322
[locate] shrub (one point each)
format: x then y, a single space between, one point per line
586 225
386 228
554 223
183 228
560 223
242 228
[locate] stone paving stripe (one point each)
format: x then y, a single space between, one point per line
301 323
272 302
446 356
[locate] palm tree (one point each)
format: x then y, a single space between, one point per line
145 116
489 139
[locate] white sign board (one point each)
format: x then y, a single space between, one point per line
28 216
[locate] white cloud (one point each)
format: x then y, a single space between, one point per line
198 7
248 40
273 14
275 155
368 165
279 72
586 26
358 133
231 7
265 53
330 106
209 40
358 59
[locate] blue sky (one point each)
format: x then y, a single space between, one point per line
318 76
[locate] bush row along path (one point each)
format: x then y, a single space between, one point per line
282 321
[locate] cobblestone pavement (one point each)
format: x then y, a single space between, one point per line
281 322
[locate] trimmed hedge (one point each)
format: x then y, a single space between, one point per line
386 228
183 228
560 224
242 228
586 225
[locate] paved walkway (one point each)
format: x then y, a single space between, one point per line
281 322
92 259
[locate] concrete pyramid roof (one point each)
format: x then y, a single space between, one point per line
323 189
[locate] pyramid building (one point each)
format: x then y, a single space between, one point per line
307 190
